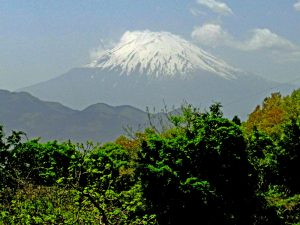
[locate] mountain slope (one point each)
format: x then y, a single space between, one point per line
159 54
150 69
49 120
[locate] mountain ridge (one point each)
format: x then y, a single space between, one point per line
54 121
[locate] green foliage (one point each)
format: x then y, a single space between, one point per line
287 207
200 172
204 169
263 155
45 163
7 179
47 205
110 186
290 157
73 184
273 134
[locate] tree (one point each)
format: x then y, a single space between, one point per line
263 155
199 173
43 163
108 182
268 117
274 112
289 160
7 144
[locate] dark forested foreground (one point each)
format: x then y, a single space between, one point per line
205 169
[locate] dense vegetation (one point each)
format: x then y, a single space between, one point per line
205 169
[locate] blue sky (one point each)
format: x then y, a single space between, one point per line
42 39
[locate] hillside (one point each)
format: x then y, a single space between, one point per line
50 120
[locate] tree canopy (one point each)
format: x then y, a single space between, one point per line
204 169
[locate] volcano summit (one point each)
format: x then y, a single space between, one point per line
146 69
159 55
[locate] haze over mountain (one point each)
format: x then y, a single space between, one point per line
53 121
150 69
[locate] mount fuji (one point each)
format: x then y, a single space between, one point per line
151 69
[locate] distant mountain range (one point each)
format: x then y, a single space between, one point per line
50 120
155 68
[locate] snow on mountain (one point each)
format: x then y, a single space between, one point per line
149 69
160 54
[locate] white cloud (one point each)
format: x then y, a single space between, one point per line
264 38
286 57
217 7
297 5
197 12
213 35
101 49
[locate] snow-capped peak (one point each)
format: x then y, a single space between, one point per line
159 54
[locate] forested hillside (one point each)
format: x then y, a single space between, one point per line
205 169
